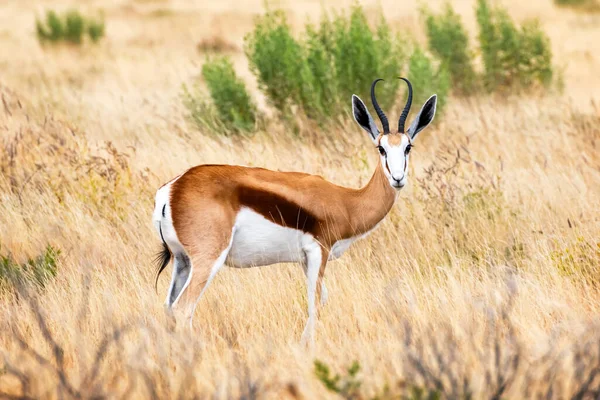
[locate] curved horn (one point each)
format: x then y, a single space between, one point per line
404 114
380 114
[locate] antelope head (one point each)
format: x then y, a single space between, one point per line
394 147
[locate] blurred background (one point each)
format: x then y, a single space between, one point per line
482 282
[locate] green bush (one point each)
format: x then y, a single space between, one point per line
74 27
571 2
449 41
319 59
52 30
276 59
346 386
318 72
230 108
427 79
315 73
70 27
200 111
36 271
362 54
512 56
585 5
95 29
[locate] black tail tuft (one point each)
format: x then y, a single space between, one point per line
162 260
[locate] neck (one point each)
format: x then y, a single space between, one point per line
373 202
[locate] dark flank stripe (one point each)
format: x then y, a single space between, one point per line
277 209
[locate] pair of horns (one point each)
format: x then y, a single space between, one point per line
381 115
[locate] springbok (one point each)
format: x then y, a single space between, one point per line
213 215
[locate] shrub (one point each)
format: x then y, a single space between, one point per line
276 59
586 5
571 2
318 72
74 27
200 111
52 30
449 41
347 386
512 56
70 27
35 271
230 108
95 29
427 80
229 94
322 85
362 54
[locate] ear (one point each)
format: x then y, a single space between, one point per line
424 117
363 118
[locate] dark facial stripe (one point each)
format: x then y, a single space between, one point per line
387 166
386 162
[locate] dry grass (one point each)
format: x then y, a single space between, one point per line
486 271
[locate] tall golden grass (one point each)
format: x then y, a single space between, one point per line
483 280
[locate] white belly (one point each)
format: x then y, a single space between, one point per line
258 241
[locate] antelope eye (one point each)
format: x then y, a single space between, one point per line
407 150
381 150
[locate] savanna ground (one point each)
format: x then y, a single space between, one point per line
485 274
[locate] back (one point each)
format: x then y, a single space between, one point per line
291 199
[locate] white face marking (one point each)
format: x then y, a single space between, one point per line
395 161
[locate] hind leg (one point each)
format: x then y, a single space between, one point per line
182 268
207 256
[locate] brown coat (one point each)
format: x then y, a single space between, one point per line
291 199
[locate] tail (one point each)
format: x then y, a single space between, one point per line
163 257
